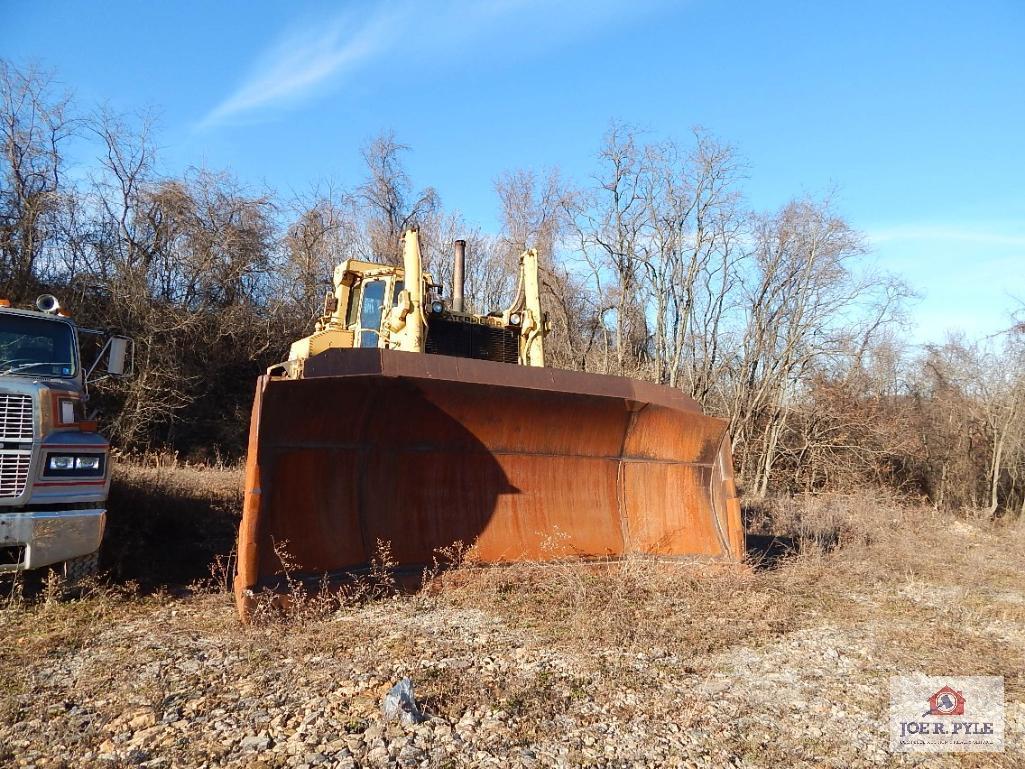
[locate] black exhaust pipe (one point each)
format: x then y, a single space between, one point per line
458 273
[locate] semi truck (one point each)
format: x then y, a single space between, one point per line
54 463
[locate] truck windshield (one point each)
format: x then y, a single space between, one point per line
36 347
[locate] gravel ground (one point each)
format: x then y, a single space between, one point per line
525 669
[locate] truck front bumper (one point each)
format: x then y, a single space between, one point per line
32 539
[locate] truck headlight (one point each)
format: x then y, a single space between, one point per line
61 463
74 466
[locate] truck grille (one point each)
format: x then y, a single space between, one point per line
14 472
15 417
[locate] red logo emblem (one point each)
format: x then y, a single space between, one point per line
946 702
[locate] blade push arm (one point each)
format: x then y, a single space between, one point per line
532 332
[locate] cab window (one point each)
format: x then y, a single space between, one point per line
352 311
373 301
370 312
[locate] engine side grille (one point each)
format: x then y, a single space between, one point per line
14 472
472 340
15 417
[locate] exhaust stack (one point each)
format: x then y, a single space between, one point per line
458 278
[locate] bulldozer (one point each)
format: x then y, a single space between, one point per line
404 419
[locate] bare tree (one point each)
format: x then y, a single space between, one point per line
609 225
183 264
691 256
988 380
803 295
320 236
387 200
35 124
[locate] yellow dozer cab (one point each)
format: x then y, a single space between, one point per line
373 307
406 420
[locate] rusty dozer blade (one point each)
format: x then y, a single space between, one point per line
523 463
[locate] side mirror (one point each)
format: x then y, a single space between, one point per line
118 361
119 352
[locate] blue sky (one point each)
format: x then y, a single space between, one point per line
913 111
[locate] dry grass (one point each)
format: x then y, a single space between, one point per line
851 546
170 520
885 588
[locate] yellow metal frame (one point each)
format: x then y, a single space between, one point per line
405 323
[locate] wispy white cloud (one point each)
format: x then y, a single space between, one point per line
302 61
982 235
313 57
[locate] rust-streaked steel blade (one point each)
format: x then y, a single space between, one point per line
527 463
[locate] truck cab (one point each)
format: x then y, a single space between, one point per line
54 464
